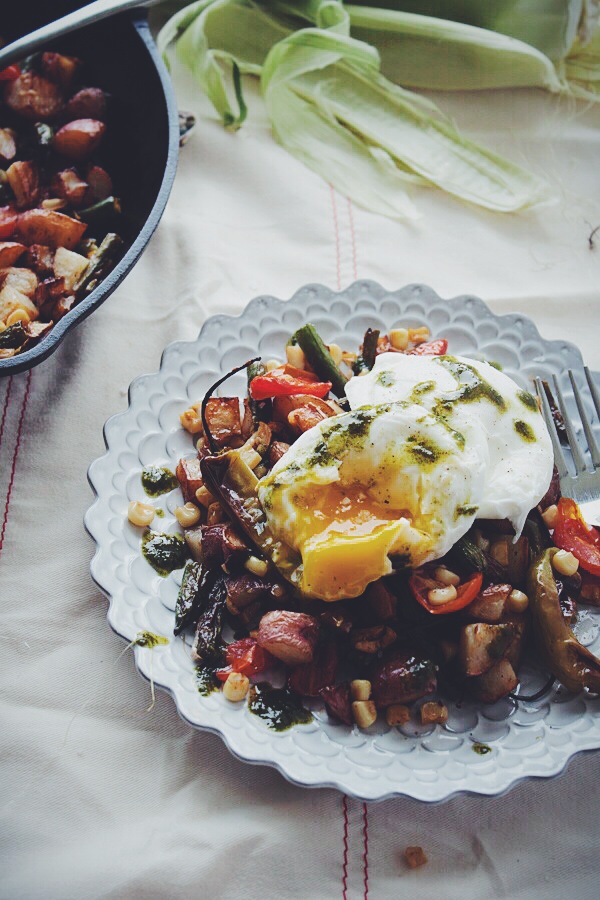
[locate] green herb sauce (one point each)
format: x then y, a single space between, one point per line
150 640
423 450
160 513
206 680
472 385
385 379
465 510
279 708
164 552
481 749
528 400
157 480
524 431
423 387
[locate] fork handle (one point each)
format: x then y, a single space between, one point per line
87 15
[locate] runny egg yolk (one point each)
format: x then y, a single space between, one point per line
345 537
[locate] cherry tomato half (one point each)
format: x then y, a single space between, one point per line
246 657
572 533
466 592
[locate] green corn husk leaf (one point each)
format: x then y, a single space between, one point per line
550 26
368 107
330 106
418 51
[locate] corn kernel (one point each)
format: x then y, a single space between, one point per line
236 687
518 601
360 689
53 203
256 566
565 563
550 516
419 335
364 713
191 419
272 364
295 356
335 352
204 496
397 714
18 315
440 596
187 515
445 576
399 338
140 514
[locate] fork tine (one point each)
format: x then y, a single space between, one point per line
589 434
593 390
578 457
559 457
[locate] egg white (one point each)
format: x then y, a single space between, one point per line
519 449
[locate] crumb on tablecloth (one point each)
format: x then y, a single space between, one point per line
415 857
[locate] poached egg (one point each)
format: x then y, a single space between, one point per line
430 444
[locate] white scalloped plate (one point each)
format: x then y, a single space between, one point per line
430 764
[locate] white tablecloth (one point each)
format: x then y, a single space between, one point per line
101 798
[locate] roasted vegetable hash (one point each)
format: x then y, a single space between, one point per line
295 542
57 207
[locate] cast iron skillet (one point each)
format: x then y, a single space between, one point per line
141 146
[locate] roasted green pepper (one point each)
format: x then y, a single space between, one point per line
567 659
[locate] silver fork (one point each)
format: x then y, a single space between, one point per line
584 485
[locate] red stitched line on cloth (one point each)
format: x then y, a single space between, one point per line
5 411
336 226
14 459
366 851
345 857
353 241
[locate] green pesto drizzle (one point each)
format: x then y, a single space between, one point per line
465 510
342 437
149 639
164 552
481 749
524 431
160 513
472 385
385 379
206 680
157 480
528 400
423 387
278 707
423 450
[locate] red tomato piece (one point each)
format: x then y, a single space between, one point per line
573 534
431 348
247 657
8 221
286 381
10 73
420 586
